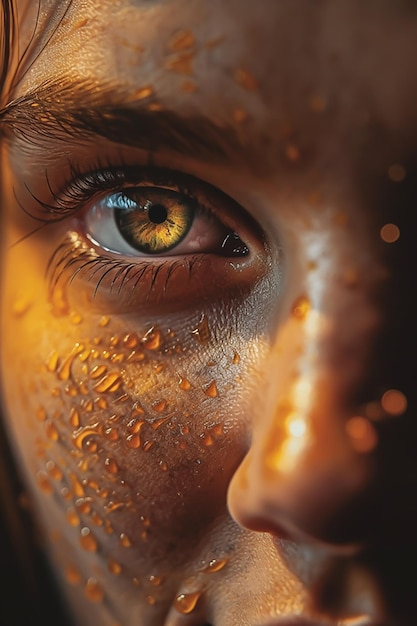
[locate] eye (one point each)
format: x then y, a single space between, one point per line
157 221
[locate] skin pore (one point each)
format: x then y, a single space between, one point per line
217 432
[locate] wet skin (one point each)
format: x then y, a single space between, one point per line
149 394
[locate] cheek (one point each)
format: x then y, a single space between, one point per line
129 431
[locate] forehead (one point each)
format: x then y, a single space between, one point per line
272 52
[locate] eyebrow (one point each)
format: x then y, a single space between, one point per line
67 110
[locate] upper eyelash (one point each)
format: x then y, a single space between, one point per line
84 187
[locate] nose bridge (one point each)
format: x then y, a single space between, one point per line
311 452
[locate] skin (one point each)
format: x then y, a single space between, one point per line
217 448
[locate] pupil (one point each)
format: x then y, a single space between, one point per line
157 213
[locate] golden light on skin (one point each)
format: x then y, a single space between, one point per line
390 233
295 428
394 402
290 433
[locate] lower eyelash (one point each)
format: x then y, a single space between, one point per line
74 259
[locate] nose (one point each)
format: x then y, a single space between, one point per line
320 466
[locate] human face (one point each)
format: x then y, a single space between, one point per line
259 357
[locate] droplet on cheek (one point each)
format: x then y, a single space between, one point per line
72 575
93 590
202 331
185 603
87 540
211 389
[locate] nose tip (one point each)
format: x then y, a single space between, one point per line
309 483
310 468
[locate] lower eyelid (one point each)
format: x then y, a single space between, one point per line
118 285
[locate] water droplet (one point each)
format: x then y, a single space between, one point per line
159 406
93 590
80 435
64 370
156 580
43 482
96 519
131 340
53 362
51 430
111 465
71 390
109 383
181 62
114 506
202 331
143 92
97 371
111 433
147 445
117 357
185 603
184 384
211 389
125 541
101 403
22 305
133 441
72 517
158 423
104 321
114 567
134 425
301 308
150 600
87 540
53 470
206 439
72 575
246 80
77 487
41 414
152 340
83 505
74 418
182 40
114 341
75 318
215 565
